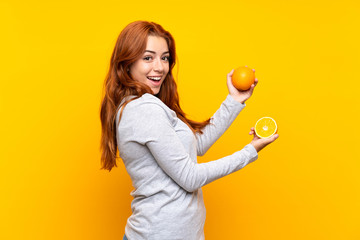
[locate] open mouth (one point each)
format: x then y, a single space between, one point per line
155 79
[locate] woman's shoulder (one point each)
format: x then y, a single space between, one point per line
149 98
148 101
148 104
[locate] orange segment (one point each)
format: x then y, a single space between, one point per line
265 127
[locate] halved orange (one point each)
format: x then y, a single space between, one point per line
265 127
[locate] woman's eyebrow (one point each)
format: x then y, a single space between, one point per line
155 52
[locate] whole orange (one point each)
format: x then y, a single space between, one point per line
242 78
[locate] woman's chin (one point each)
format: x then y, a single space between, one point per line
155 90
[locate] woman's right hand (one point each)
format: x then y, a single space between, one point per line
260 143
240 96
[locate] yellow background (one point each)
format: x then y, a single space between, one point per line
54 57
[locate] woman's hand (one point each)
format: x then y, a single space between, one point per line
240 96
260 143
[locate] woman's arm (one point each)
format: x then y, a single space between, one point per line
153 127
223 117
219 123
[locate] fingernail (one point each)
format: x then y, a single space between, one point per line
254 70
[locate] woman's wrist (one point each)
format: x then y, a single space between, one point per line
238 99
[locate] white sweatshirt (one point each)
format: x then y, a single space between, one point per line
160 154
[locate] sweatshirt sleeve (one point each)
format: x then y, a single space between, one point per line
219 123
154 129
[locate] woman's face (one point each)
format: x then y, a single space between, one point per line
153 66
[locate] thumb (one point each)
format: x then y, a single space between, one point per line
229 75
273 138
269 140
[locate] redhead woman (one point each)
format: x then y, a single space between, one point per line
142 119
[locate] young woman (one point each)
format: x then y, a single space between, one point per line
141 117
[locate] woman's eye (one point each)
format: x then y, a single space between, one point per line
166 58
147 58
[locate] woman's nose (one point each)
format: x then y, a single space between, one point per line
158 65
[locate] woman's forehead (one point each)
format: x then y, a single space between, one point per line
156 44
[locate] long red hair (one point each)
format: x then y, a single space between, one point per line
119 84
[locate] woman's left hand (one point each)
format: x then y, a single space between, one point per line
240 96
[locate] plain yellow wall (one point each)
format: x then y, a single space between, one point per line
54 57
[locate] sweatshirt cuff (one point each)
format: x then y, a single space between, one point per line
253 155
231 100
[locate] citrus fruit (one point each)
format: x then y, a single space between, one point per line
242 78
265 127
